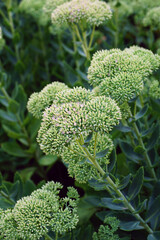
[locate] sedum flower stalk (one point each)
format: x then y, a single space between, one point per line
43 211
145 153
121 75
113 187
78 16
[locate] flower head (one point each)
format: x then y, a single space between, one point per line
90 12
120 74
152 18
38 102
62 123
35 215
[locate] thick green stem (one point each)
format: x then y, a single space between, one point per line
140 140
91 38
47 237
83 41
113 186
56 238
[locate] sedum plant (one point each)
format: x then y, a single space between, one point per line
77 125
43 211
40 10
79 16
152 18
108 230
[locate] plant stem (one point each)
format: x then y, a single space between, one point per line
56 238
91 38
113 186
150 167
83 41
140 140
47 237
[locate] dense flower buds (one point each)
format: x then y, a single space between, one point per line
62 123
120 74
38 102
90 12
152 18
35 215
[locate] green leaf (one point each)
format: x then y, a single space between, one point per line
11 133
7 116
136 184
14 149
82 75
102 153
130 154
154 236
108 203
141 113
67 49
98 186
130 225
47 160
153 139
124 182
27 173
153 209
113 160
21 97
89 137
123 128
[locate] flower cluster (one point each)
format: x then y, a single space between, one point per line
120 74
152 18
38 102
40 9
108 230
154 89
78 164
88 12
64 122
35 215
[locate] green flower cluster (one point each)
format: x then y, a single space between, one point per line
64 122
38 102
152 18
154 89
78 164
40 9
34 216
141 7
120 74
2 41
87 12
108 230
